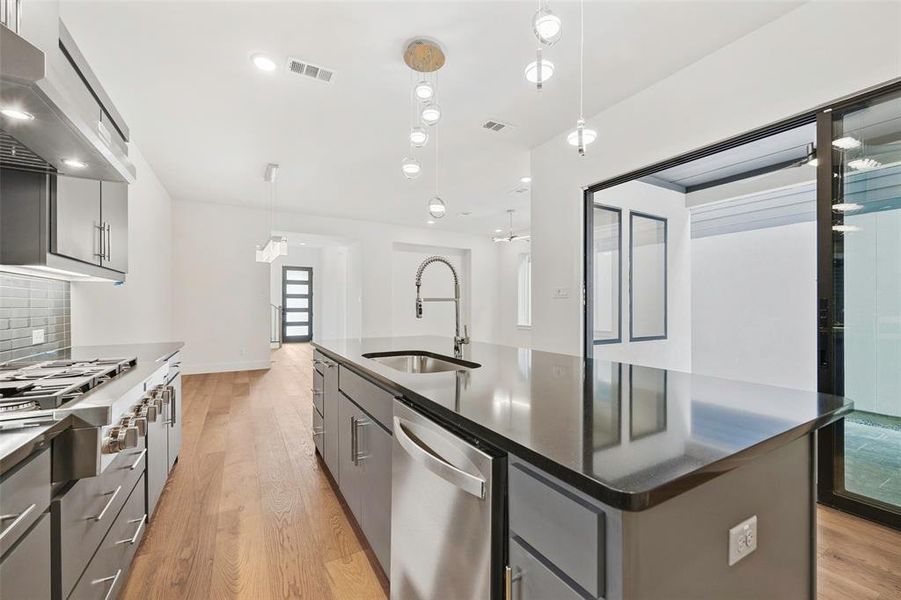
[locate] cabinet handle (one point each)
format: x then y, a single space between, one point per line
113 578
357 423
316 392
19 518
138 460
318 433
109 242
102 253
108 503
133 540
353 440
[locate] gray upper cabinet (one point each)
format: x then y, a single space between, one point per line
75 222
114 213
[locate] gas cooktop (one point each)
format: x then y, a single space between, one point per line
52 384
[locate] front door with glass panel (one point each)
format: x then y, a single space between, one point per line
297 304
861 322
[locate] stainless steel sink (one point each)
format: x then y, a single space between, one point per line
418 361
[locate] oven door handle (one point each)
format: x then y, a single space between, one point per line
19 518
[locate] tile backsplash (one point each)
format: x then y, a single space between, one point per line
28 304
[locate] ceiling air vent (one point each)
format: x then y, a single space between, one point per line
302 67
494 125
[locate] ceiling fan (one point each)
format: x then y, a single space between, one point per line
511 237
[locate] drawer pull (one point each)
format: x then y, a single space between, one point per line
134 538
319 432
18 519
108 503
316 392
113 578
138 460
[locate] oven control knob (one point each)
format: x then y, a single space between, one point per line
140 423
128 438
111 442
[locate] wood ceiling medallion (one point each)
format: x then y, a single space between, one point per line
424 55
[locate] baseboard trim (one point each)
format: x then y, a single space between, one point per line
200 368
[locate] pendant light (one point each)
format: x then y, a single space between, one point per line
430 113
424 90
276 245
437 207
582 136
419 137
410 167
424 57
546 25
540 70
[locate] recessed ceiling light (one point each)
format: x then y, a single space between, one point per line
263 62
498 231
430 222
525 179
846 143
860 164
74 163
15 113
547 71
303 243
846 206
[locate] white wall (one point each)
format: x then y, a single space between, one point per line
674 352
141 309
299 256
788 66
222 295
508 331
753 297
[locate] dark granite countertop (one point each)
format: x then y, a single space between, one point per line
94 405
630 436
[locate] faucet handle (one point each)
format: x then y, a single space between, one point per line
466 334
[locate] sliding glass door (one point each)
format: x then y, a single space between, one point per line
860 304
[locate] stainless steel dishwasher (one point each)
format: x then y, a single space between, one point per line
446 513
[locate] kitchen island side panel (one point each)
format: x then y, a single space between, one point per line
680 548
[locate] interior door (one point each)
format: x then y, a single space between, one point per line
114 213
297 304
859 217
75 226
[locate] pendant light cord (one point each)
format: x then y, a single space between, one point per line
436 160
581 54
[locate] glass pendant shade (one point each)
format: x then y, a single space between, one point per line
437 207
537 75
411 168
424 90
430 113
547 26
419 137
581 136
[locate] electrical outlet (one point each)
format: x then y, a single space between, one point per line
37 336
742 540
561 292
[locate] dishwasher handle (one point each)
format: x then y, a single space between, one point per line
443 469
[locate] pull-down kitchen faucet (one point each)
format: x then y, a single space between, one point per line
458 339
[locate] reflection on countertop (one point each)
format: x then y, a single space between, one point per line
630 436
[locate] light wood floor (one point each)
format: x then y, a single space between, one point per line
250 513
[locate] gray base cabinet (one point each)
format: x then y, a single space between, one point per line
357 449
173 419
25 569
157 462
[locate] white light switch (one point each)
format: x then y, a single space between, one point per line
561 292
37 336
742 540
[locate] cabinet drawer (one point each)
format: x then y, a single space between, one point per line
318 392
563 528
24 495
106 572
319 361
84 513
368 396
532 580
25 571
318 432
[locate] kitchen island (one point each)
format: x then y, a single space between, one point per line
621 481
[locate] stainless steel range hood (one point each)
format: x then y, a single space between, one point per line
43 74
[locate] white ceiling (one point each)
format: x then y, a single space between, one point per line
208 121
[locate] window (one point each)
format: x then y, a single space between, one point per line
606 268
647 277
524 291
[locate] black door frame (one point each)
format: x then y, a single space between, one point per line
285 310
830 339
830 440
